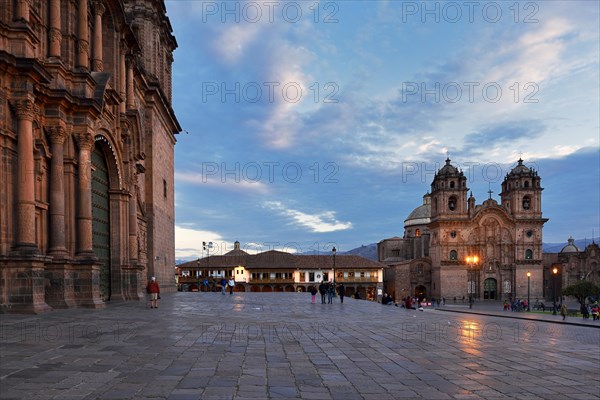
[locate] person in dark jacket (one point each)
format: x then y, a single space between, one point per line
313 292
323 291
341 292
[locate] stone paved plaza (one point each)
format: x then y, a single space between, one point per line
280 346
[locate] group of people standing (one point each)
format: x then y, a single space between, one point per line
210 285
327 291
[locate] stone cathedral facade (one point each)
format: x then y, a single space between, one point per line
430 260
87 136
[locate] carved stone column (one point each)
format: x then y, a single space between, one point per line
22 10
82 35
54 33
25 239
130 94
97 49
122 77
133 227
57 248
85 141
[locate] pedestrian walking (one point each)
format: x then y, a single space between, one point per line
341 292
231 284
223 285
322 291
153 290
330 290
313 292
563 311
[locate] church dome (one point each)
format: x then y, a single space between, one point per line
521 169
570 247
448 169
420 215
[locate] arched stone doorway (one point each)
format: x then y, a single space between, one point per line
420 292
490 289
101 219
240 288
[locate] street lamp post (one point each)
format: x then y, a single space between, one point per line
528 281
198 275
207 246
554 274
472 264
334 287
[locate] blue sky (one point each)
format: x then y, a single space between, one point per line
317 124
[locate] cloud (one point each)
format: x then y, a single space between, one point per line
188 243
319 223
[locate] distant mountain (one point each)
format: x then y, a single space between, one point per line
369 251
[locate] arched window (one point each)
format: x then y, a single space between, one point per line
528 254
418 232
420 269
526 203
526 184
453 255
452 203
452 185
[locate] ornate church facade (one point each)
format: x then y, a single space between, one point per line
87 136
454 248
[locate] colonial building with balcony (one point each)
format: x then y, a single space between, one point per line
277 271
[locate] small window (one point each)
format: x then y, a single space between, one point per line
165 188
529 233
420 269
526 203
452 185
453 255
528 254
526 184
418 233
453 234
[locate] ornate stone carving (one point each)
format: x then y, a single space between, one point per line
25 109
97 65
56 134
55 35
85 141
83 46
99 7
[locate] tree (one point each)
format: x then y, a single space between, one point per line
582 290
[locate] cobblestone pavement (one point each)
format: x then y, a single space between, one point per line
280 346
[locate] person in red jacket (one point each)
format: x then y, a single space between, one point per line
153 290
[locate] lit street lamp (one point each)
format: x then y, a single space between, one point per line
334 287
472 264
528 280
554 274
206 246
